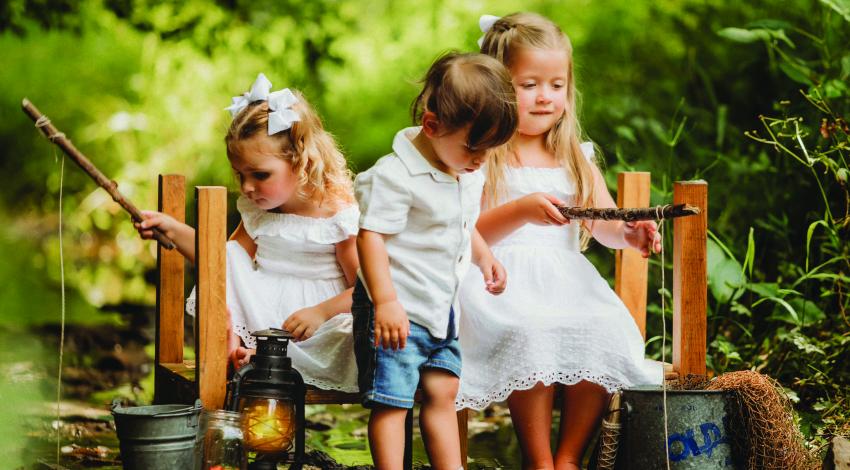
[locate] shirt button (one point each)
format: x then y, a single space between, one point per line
460 258
464 224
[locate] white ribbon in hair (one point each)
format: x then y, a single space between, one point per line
485 23
281 116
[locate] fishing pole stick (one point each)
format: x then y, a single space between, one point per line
668 211
43 123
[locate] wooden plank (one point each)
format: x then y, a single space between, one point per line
463 433
630 278
169 287
210 268
690 281
316 396
175 384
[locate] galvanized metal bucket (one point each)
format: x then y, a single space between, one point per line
697 430
157 436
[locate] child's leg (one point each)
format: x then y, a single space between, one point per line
438 419
581 411
386 437
531 414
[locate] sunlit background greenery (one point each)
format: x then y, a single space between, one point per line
750 96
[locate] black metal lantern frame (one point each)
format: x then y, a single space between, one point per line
269 375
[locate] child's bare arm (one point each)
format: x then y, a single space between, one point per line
495 277
240 235
537 208
391 323
616 234
182 234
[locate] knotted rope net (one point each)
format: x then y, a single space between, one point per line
766 436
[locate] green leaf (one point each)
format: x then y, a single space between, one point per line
750 256
835 89
744 35
764 289
840 6
796 72
810 313
772 24
626 133
809 234
725 274
786 314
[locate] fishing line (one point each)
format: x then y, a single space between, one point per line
41 123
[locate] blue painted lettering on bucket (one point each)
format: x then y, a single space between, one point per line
684 445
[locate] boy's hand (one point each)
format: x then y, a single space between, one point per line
165 223
643 236
303 323
495 277
240 356
391 325
539 209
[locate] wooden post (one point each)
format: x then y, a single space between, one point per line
463 432
630 279
211 331
690 280
169 287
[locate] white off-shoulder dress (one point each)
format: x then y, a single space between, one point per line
295 267
558 321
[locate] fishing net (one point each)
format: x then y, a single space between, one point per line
763 430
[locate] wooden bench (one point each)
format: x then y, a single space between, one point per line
181 381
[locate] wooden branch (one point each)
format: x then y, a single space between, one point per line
630 214
58 138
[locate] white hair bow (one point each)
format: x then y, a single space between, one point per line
485 23
281 116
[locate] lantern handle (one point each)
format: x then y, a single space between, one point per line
235 384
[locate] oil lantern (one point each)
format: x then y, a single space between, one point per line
270 395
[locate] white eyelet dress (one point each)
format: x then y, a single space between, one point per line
558 321
296 267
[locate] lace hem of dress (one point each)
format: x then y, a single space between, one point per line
191 304
548 378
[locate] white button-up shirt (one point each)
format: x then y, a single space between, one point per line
428 216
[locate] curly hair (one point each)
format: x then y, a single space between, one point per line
322 171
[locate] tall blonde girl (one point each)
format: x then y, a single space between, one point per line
292 261
558 324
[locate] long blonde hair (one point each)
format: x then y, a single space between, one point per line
529 30
322 172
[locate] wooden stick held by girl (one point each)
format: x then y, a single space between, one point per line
559 324
292 261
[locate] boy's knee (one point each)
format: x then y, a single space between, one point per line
439 387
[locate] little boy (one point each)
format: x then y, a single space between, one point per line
417 237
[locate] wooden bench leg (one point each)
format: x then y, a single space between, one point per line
169 294
408 440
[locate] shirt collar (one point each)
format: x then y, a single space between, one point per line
413 159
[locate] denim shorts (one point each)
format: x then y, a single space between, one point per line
390 377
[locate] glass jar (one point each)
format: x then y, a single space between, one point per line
221 443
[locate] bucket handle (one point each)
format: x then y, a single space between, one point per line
195 407
116 403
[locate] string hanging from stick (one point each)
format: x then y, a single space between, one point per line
661 222
41 123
